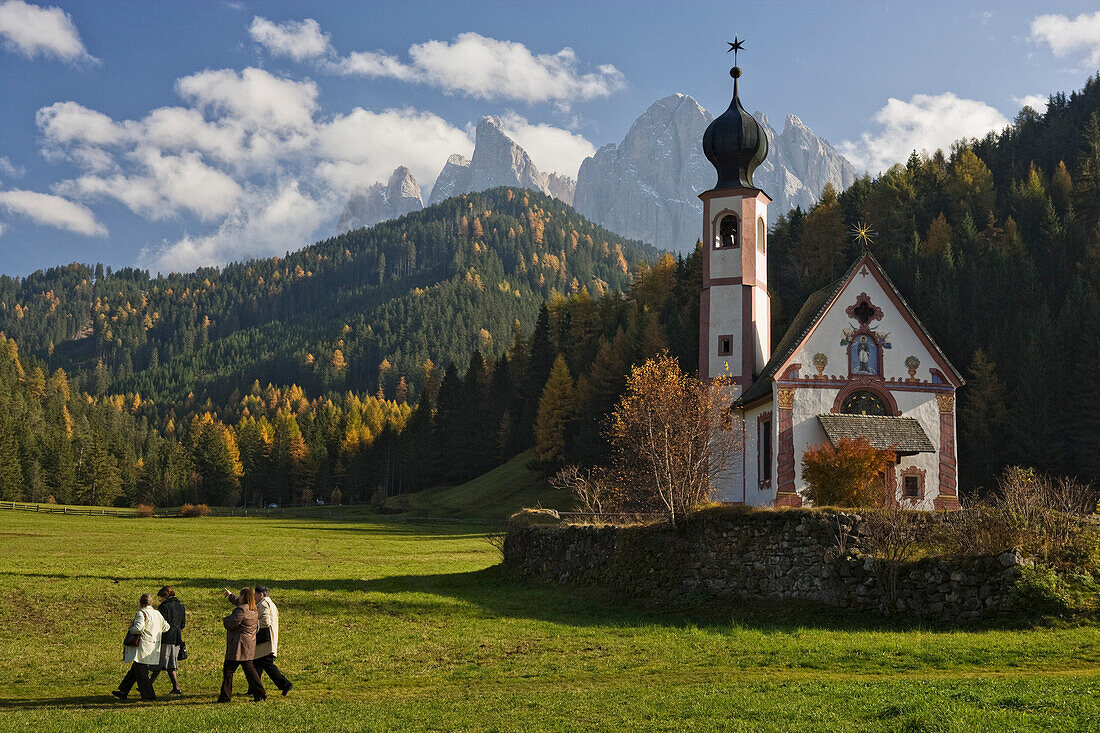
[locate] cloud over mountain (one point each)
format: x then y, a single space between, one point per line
926 122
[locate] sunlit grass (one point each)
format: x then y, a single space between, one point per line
397 626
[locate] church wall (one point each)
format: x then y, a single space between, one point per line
752 491
921 405
901 340
808 404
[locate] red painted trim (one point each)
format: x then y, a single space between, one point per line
867 385
879 348
948 486
725 281
920 473
785 459
735 191
704 333
748 340
837 382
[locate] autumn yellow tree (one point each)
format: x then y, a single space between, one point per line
556 409
670 437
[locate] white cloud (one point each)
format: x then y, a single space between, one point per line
924 123
269 223
172 183
1065 36
36 31
2 227
254 97
1037 102
68 122
364 146
53 211
551 148
487 68
297 39
10 169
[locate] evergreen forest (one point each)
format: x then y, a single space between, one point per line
429 349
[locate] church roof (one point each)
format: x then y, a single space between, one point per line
808 316
902 434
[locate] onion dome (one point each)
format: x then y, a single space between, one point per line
735 143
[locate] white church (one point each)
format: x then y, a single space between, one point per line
856 361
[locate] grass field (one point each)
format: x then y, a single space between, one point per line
493 495
390 626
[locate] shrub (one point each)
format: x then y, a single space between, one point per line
979 530
845 475
50 499
191 510
145 510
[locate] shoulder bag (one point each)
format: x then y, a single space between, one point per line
134 639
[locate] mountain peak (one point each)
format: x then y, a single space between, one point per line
369 205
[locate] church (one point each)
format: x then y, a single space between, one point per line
855 362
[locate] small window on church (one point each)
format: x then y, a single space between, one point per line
761 233
765 449
727 233
863 403
912 487
725 345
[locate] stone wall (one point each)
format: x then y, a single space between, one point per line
795 554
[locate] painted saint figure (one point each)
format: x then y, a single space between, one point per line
864 355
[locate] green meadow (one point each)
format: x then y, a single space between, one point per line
395 626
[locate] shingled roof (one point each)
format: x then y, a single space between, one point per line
902 434
811 312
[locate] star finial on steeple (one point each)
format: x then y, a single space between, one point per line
735 46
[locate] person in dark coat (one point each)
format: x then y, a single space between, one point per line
174 613
240 645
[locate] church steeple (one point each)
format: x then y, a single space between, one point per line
735 143
734 306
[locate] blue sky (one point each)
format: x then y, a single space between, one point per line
172 135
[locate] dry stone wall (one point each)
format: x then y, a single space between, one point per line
800 555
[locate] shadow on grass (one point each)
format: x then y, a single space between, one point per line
99 702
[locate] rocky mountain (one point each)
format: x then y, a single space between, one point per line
382 202
646 187
497 161
798 167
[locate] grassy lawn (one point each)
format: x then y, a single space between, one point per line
493 495
390 626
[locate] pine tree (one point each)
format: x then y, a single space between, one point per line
983 422
556 409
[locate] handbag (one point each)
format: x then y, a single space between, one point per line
133 638
183 651
263 636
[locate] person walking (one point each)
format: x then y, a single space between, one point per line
240 645
267 640
171 608
145 631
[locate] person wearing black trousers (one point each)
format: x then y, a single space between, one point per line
267 640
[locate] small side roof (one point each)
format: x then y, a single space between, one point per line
903 434
810 314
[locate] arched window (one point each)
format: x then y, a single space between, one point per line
761 232
728 234
863 403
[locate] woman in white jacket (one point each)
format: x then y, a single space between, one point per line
150 625
267 640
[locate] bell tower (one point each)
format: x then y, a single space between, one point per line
734 306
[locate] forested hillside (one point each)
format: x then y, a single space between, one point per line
996 245
359 311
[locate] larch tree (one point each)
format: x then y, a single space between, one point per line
556 408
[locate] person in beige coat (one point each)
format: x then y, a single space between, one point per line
267 640
151 626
